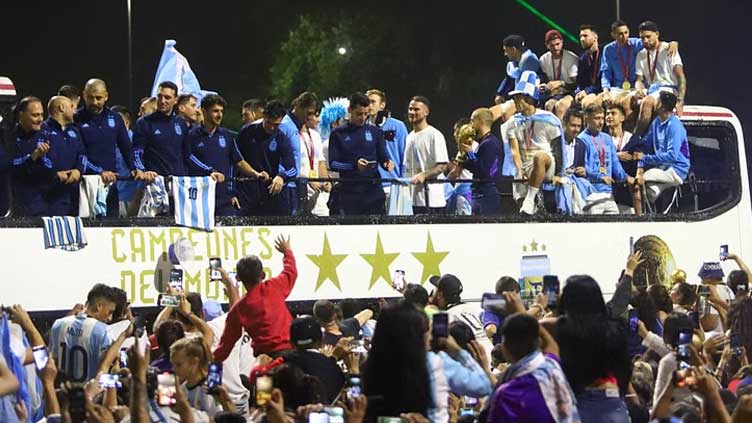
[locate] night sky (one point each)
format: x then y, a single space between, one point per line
231 45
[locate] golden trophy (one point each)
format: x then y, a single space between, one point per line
465 136
678 276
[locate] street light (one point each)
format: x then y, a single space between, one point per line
342 51
130 56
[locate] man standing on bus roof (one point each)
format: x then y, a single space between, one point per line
485 163
395 131
602 165
79 342
186 109
355 151
666 156
214 153
657 71
160 144
425 158
530 139
303 107
102 132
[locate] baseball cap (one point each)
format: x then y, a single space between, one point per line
448 284
305 331
552 34
711 270
212 310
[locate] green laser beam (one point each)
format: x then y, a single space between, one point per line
547 20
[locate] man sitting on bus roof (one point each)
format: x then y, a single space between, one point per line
666 154
601 163
657 70
530 139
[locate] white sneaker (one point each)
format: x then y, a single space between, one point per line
528 207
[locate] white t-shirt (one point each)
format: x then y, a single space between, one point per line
570 153
620 142
423 151
550 66
533 137
239 362
311 150
664 69
470 315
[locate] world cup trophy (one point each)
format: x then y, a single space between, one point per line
465 136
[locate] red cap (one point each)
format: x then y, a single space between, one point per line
153 342
553 34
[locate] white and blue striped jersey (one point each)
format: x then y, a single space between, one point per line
78 344
199 399
194 200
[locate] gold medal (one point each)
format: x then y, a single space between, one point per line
603 169
312 174
626 85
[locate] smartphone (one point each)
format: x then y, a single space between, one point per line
631 245
494 303
264 386
176 279
353 388
215 263
684 376
123 358
695 316
41 356
214 380
358 346
166 389
724 252
633 319
77 402
470 402
335 414
169 300
398 281
387 419
109 381
139 325
551 288
685 340
440 326
321 417
736 344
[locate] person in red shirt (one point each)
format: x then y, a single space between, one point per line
262 312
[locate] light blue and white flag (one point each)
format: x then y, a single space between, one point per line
64 232
193 197
174 67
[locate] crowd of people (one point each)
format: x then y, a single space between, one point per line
657 353
350 156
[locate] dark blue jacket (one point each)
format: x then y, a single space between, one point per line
66 152
30 178
270 153
100 135
349 143
486 162
215 152
160 144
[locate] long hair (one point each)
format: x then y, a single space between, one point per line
592 343
740 321
397 368
647 311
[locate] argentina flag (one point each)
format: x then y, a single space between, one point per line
174 67
193 197
64 233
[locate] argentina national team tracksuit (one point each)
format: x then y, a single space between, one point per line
101 135
601 160
160 144
274 155
348 144
215 152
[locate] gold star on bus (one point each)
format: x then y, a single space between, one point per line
327 264
379 262
430 260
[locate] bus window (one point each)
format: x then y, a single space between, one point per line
714 182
